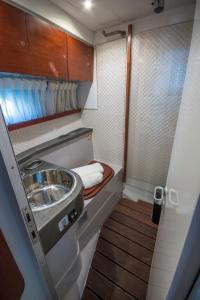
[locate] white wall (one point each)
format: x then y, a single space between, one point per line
49 11
168 17
25 138
108 120
159 64
110 81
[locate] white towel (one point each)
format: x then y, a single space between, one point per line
89 169
90 180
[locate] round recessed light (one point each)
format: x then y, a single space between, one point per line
87 4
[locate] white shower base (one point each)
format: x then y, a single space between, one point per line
135 194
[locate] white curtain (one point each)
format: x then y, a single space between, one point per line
61 97
23 99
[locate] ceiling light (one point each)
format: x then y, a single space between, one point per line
87 4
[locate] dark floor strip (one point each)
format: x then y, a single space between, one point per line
90 295
128 282
147 210
134 224
123 267
106 288
128 262
128 246
135 215
144 204
130 234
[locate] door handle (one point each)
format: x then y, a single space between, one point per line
173 197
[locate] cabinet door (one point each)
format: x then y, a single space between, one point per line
47 48
80 60
13 39
12 27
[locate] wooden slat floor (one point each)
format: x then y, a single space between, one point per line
121 264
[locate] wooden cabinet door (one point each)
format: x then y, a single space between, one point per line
12 27
13 39
47 48
80 60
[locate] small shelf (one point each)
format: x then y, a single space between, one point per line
43 119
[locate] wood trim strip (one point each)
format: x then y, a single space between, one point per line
107 176
127 99
43 119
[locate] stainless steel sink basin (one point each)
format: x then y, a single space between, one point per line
47 188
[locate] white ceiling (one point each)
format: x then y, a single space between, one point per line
105 13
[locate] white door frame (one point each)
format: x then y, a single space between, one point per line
18 188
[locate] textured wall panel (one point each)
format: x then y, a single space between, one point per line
158 73
108 120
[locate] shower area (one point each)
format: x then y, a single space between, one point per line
159 61
158 72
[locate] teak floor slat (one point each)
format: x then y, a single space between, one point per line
89 295
144 209
134 224
135 215
128 282
130 234
123 259
121 264
144 204
105 288
128 246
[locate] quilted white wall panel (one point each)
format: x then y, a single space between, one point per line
159 65
108 120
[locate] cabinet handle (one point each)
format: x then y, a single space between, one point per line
173 197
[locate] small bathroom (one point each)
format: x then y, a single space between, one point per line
99 150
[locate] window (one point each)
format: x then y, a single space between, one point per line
25 99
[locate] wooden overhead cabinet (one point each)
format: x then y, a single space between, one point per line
80 60
29 45
47 49
13 40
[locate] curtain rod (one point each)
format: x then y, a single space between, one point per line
27 76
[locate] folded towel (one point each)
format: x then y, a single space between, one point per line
90 180
89 169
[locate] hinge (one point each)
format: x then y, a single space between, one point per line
30 224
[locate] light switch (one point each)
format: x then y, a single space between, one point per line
63 223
